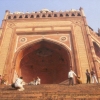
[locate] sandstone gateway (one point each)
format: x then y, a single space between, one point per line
46 44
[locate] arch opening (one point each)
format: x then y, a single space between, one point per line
48 60
97 49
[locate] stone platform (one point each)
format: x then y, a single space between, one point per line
52 92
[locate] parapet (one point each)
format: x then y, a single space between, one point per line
44 13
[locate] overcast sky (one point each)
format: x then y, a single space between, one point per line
91 8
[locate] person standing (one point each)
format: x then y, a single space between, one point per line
71 75
93 76
88 76
38 81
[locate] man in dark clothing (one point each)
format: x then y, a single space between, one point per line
88 76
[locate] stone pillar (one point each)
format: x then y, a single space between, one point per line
7 12
82 11
82 54
5 49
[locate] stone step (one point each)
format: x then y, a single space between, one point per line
52 92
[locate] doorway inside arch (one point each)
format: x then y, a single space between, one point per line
45 59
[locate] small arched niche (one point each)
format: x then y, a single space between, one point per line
97 49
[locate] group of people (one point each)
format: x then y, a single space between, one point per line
19 83
36 81
91 77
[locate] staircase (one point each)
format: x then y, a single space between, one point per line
52 92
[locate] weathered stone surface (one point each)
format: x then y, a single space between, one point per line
52 92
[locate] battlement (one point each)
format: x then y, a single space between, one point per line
44 13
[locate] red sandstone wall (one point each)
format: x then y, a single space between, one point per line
54 29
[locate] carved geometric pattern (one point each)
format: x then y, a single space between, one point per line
11 25
63 38
78 22
23 39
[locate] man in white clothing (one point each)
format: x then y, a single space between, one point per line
19 84
93 76
71 74
38 81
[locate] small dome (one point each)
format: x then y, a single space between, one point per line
45 10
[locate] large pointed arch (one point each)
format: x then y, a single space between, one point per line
27 44
61 56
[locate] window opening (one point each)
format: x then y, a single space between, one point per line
49 15
55 15
61 15
73 14
43 15
32 16
14 16
67 15
78 14
20 16
37 16
9 17
26 16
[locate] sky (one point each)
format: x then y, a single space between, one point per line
91 8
